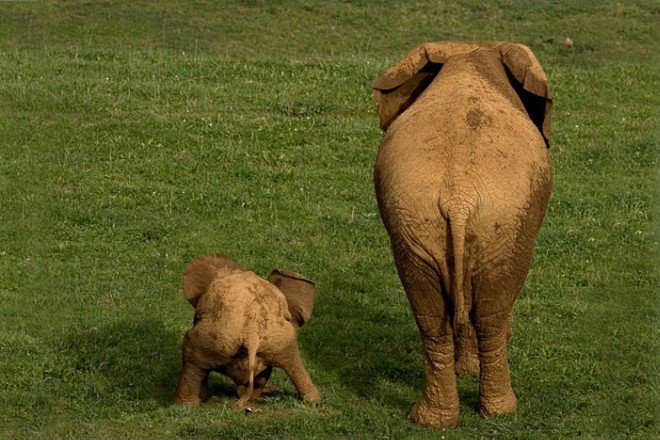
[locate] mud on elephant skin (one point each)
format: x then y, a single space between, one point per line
243 327
462 180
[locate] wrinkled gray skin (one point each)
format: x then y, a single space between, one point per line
462 180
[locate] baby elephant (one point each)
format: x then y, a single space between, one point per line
243 326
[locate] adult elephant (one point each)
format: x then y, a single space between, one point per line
463 179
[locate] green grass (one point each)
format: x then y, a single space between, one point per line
136 135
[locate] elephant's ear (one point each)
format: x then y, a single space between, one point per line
402 83
200 273
299 293
531 84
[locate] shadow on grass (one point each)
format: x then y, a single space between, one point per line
373 349
132 360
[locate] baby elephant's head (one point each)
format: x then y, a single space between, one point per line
239 373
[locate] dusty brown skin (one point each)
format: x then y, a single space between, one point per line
463 179
244 326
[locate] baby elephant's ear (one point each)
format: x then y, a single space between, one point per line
299 293
200 272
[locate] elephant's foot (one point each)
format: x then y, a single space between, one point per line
493 406
186 402
311 395
427 415
467 365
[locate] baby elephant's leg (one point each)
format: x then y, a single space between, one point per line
191 388
291 362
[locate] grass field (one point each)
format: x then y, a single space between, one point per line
136 135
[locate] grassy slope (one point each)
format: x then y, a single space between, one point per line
134 137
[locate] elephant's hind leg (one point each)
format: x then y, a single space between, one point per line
438 407
495 291
291 362
192 388
496 395
493 324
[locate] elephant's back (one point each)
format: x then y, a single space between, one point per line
243 303
471 141
458 149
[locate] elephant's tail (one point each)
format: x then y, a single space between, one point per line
252 346
457 225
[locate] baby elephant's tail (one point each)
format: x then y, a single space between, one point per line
252 346
200 272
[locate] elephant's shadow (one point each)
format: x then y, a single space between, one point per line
133 359
374 349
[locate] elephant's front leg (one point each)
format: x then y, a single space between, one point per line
438 407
